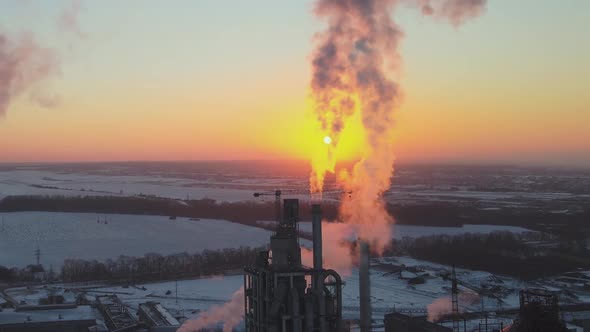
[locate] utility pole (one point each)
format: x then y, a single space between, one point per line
455 300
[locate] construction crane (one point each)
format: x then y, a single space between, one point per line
278 193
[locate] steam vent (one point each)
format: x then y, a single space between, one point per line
283 295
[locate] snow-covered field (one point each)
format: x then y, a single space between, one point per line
401 231
87 236
388 291
42 182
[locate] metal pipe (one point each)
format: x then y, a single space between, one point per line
316 224
296 314
365 287
316 221
309 312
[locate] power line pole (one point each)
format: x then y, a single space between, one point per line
455 301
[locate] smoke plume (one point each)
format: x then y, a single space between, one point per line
455 11
444 305
23 65
352 68
68 19
230 314
439 307
336 239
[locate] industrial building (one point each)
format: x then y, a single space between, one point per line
115 313
539 312
76 319
107 313
155 316
283 295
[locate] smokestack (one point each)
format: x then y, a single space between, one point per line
316 222
365 287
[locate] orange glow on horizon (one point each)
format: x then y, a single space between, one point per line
280 124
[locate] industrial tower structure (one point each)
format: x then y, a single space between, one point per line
281 294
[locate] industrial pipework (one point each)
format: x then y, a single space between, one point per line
281 294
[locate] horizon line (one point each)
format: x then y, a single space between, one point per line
405 163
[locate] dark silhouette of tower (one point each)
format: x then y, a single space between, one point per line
38 255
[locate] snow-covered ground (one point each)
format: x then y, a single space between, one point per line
389 290
87 236
401 231
43 182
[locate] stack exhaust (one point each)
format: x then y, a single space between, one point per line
365 288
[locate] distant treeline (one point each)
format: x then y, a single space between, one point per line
153 266
26 274
502 253
245 212
249 212
150 267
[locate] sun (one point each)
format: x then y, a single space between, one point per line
328 140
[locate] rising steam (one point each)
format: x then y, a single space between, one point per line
231 314
23 65
352 67
68 20
455 11
439 307
444 305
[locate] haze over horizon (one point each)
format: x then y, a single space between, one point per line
229 81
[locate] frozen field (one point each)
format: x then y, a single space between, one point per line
401 231
42 182
87 236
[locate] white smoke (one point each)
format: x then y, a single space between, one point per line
352 71
230 313
23 65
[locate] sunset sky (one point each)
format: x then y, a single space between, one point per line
192 80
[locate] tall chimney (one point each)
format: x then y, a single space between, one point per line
365 287
316 223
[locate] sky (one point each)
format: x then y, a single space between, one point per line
221 79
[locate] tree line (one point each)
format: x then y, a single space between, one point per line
245 212
154 266
502 253
150 267
250 212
